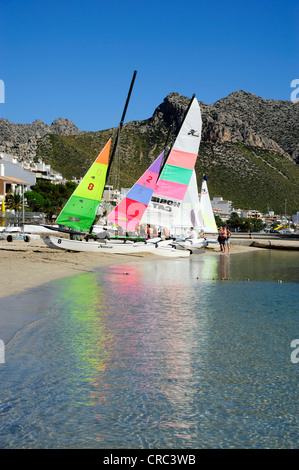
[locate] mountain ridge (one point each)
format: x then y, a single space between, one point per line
249 146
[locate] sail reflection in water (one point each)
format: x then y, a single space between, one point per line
160 331
158 354
135 350
81 308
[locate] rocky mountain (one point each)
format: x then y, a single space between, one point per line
249 147
242 117
21 140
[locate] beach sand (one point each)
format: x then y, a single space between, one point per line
27 265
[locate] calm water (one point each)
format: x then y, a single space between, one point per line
173 354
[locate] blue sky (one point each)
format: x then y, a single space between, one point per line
75 59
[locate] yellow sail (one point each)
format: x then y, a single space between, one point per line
3 212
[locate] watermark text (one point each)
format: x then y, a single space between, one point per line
2 91
295 93
2 352
295 353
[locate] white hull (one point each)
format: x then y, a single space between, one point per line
189 245
16 235
157 247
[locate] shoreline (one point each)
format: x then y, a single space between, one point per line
28 265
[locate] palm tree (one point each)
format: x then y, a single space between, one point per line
15 202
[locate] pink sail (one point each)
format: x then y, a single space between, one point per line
128 213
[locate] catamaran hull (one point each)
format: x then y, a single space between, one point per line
189 246
160 248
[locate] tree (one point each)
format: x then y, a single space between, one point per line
258 225
15 202
235 221
49 198
245 224
54 192
35 201
218 221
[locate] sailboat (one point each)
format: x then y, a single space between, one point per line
206 215
173 204
3 212
78 215
168 182
165 207
172 201
80 211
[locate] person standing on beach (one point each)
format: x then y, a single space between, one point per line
228 240
219 238
223 238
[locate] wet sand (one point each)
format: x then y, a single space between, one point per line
27 265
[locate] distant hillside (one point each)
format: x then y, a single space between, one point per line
249 148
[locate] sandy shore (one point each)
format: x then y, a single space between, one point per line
27 265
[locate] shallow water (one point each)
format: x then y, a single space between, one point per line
161 354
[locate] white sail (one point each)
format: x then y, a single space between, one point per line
205 214
188 215
165 207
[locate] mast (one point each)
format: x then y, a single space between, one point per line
121 124
118 133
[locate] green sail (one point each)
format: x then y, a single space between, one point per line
81 209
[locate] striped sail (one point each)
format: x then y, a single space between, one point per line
81 209
205 214
128 213
165 207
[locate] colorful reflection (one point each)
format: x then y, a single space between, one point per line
161 330
132 329
82 322
141 356
224 268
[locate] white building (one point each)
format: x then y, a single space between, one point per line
222 207
43 171
250 214
13 177
111 195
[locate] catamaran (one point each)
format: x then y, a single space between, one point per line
80 211
172 203
79 214
160 191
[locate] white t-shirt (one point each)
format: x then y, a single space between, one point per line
192 234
